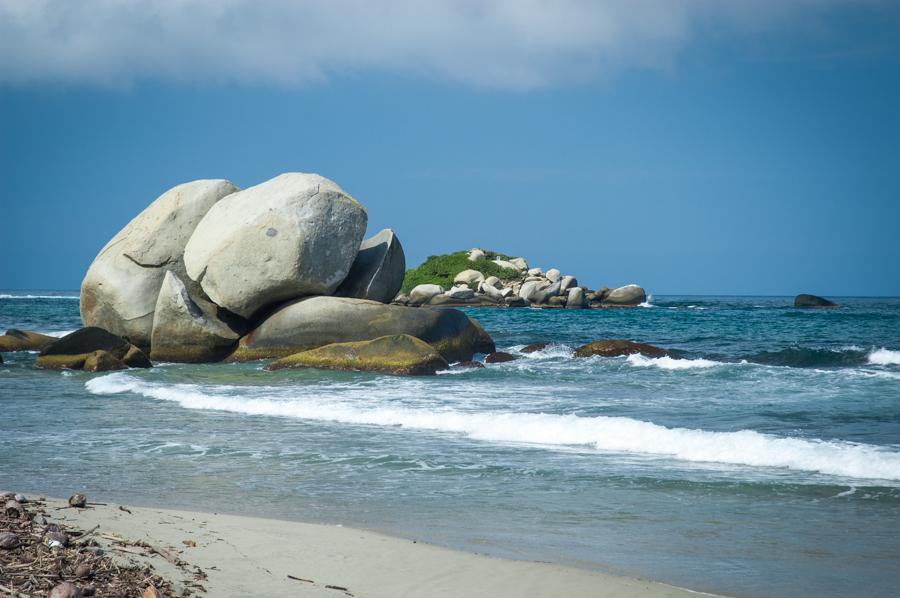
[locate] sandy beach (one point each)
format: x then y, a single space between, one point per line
246 556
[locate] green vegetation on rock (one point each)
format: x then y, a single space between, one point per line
440 269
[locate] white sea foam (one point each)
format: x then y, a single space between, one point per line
57 333
648 302
669 363
610 434
7 296
884 357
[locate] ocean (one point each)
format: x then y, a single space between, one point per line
763 461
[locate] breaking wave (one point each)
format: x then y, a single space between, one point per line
610 434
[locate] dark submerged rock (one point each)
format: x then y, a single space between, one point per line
617 348
499 357
534 347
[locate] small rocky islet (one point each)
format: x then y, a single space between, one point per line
210 273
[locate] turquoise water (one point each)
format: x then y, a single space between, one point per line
764 462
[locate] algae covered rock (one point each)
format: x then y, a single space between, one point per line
316 321
400 354
377 272
24 340
119 291
292 236
73 351
187 329
618 348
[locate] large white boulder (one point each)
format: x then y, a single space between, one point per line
460 292
630 294
553 275
566 283
476 255
468 277
506 264
122 284
291 236
377 272
420 294
187 329
575 298
519 263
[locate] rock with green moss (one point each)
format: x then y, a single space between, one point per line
400 354
442 269
187 329
78 349
24 340
618 348
316 321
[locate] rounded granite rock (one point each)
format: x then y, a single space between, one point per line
121 286
378 270
316 321
618 348
292 236
399 354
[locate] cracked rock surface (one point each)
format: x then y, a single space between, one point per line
120 290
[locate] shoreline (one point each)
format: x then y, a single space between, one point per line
254 556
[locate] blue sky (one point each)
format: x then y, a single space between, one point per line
692 147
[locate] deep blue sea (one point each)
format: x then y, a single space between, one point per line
763 462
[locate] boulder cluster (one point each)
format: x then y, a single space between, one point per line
209 272
526 287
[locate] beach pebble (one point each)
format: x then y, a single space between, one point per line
14 509
8 540
151 592
83 570
20 498
78 501
56 539
66 589
88 591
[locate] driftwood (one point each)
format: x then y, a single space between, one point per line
30 568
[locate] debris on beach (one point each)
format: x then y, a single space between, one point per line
43 559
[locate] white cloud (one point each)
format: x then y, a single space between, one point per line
491 43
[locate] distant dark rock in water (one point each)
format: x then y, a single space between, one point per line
617 348
475 365
499 357
533 347
92 349
399 354
804 300
23 340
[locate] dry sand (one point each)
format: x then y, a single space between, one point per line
246 556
